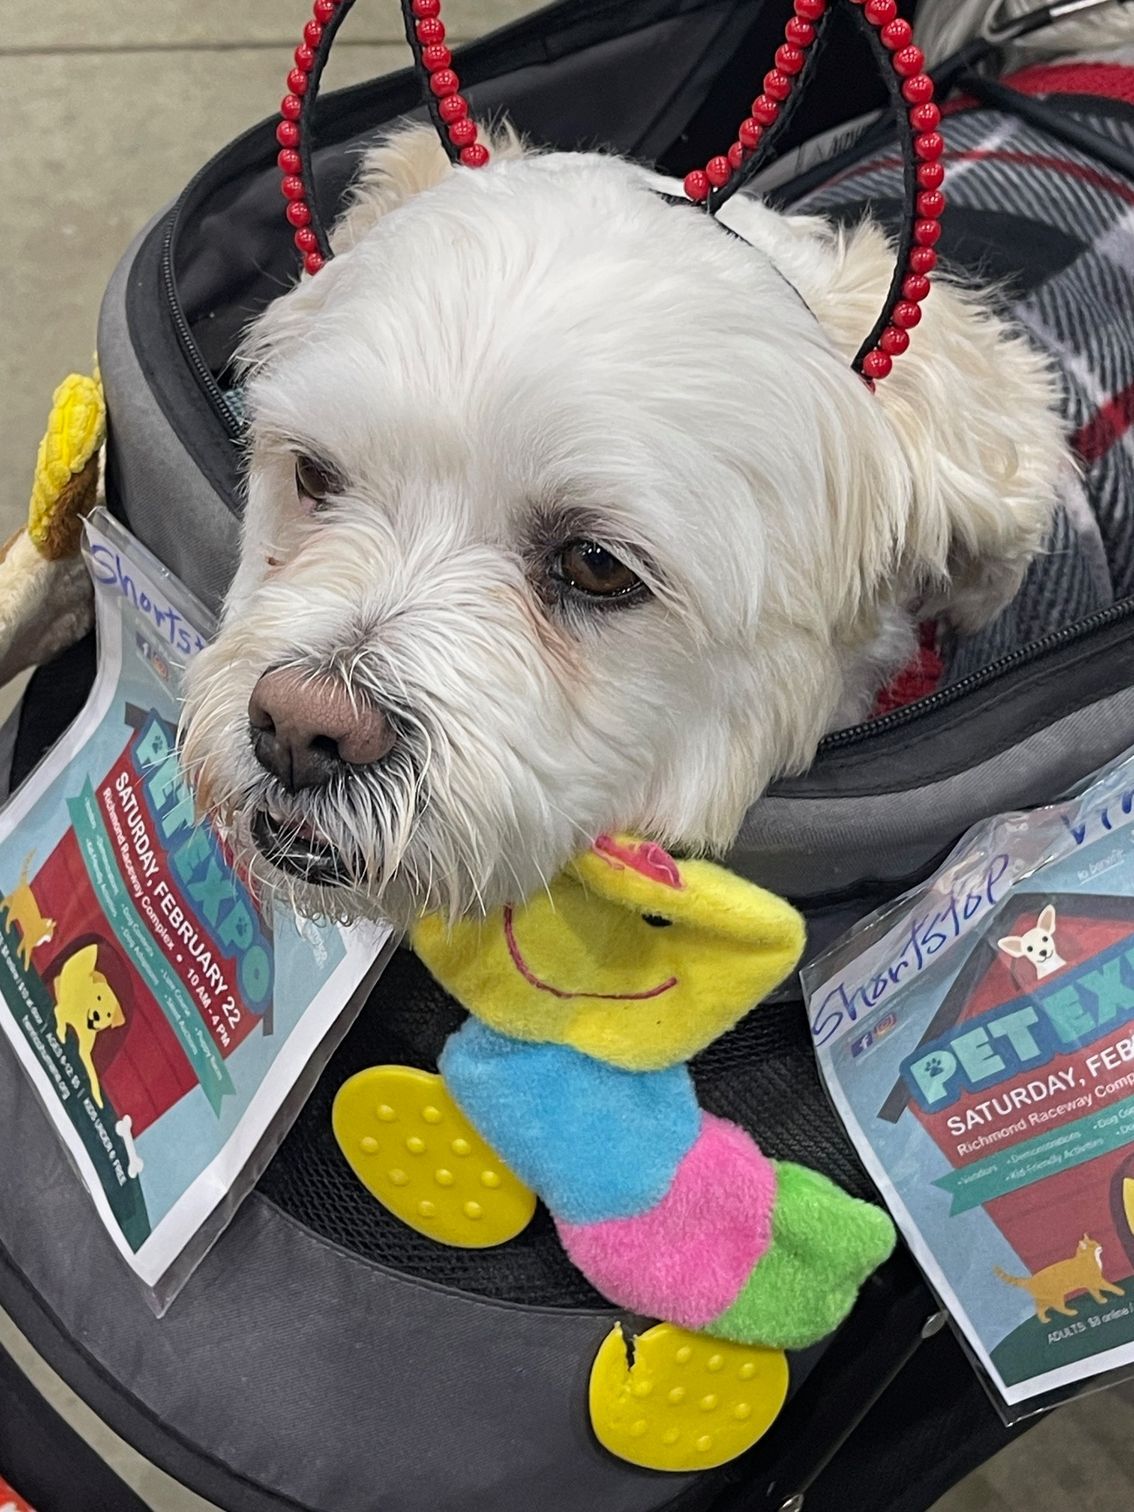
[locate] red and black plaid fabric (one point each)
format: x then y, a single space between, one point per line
1052 229
9 1501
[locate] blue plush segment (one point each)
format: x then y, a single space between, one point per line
592 1140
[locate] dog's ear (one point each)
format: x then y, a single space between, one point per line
407 162
1011 945
1046 919
975 408
79 968
972 409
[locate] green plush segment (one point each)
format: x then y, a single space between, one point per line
824 1245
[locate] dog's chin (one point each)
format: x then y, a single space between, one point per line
290 863
311 877
298 851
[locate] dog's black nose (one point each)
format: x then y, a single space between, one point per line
304 730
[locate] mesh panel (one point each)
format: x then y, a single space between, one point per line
763 1076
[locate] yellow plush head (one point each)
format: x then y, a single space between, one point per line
630 956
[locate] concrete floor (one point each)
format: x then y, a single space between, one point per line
105 112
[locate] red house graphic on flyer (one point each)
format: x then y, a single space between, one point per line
208 982
1024 1079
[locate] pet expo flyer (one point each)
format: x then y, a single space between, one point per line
162 1011
978 1041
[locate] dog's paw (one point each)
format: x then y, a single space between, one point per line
978 590
987 571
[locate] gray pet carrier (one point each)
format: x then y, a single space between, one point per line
324 1358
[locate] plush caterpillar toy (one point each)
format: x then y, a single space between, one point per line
585 1005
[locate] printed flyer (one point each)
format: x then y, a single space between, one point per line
162 1011
977 1039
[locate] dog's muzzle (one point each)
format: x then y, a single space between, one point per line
310 731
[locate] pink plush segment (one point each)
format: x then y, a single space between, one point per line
687 1258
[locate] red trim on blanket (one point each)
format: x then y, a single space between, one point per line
1109 81
1093 176
1106 182
917 680
9 1498
1107 426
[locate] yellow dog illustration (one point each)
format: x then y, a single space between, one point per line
1049 1288
21 909
86 1004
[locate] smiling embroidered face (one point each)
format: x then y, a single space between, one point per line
571 901
630 956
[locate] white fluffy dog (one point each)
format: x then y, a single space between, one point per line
566 513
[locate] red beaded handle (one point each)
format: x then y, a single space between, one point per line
425 32
903 66
911 91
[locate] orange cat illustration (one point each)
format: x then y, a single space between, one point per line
1049 1288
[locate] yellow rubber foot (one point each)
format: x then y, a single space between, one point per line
415 1151
688 1402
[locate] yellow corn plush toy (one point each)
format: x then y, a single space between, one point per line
585 1005
45 593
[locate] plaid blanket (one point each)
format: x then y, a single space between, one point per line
1054 229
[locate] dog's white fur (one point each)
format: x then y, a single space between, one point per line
500 360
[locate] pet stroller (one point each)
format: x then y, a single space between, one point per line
324 1357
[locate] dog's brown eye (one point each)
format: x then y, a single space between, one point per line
589 568
312 481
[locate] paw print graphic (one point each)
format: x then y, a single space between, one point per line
934 1066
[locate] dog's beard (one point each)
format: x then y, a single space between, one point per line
331 851
363 847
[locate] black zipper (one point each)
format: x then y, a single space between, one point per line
840 739
209 385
